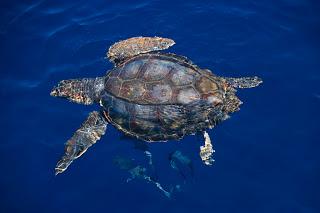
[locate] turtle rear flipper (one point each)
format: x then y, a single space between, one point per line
244 82
87 135
206 150
128 48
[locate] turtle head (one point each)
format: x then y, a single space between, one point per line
83 91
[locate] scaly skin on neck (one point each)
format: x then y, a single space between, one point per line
82 91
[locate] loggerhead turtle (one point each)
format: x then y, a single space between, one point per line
151 95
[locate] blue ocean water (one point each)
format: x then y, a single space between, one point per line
267 154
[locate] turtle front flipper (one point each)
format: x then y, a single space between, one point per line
206 151
87 135
128 48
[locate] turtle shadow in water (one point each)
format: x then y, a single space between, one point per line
137 171
143 147
180 163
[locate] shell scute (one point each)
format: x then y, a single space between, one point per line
132 89
173 117
114 72
147 112
158 93
113 85
141 126
132 69
181 77
157 70
120 107
188 95
206 85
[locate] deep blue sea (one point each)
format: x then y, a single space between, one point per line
267 155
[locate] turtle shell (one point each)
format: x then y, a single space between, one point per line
157 97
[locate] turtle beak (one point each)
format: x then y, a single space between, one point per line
60 89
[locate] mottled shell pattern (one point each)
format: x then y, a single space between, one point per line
161 96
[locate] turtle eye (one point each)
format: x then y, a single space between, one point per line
54 92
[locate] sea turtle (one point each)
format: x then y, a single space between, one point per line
150 95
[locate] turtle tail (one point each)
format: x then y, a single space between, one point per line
244 82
